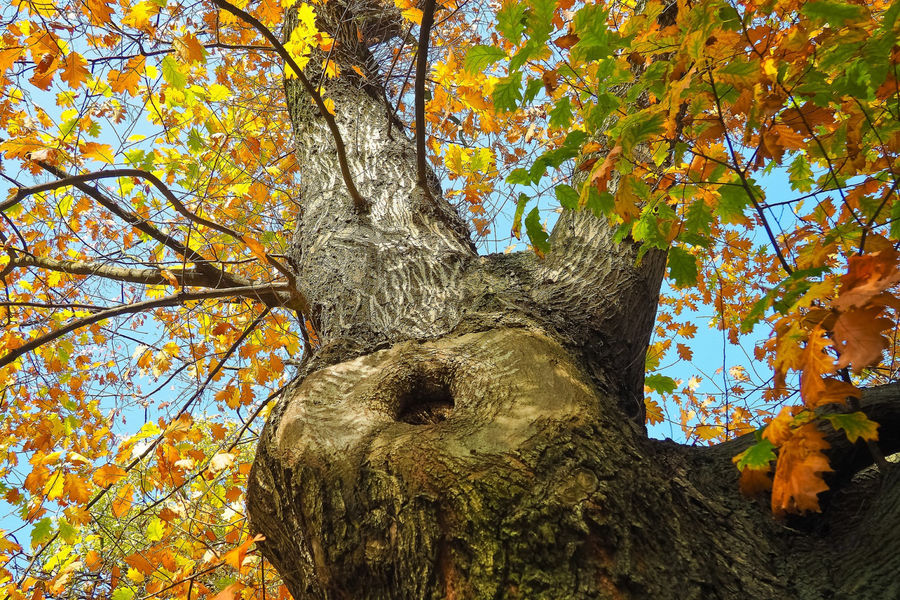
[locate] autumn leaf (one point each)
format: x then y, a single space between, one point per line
108 475
256 248
235 556
859 337
74 71
867 276
856 425
798 472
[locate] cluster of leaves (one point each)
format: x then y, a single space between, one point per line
664 120
146 149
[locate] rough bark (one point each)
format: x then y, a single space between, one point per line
467 430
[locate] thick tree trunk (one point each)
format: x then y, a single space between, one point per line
471 427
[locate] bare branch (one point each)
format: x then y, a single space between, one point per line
421 72
361 204
136 221
173 300
185 277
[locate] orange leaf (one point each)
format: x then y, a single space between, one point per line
867 276
859 339
754 481
98 11
235 556
122 502
77 489
74 72
798 472
99 152
256 248
139 561
600 175
654 411
107 475
129 78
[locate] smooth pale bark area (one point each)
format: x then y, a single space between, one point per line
471 427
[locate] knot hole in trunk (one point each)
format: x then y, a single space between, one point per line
425 395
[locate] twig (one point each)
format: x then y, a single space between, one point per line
421 72
361 204
173 300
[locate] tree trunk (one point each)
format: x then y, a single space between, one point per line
472 427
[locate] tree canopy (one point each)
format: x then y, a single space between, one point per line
151 313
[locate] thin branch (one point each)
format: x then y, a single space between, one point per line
143 226
421 72
177 204
184 277
361 204
173 300
744 183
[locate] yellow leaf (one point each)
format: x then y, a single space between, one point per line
329 105
100 152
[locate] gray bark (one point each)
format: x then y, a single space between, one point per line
471 426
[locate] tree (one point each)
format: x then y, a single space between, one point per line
460 425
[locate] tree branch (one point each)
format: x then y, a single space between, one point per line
173 300
177 204
361 204
421 72
136 221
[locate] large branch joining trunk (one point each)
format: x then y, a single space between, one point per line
460 433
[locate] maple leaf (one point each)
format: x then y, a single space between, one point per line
654 411
77 489
856 425
235 556
129 78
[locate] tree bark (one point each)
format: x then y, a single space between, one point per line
471 427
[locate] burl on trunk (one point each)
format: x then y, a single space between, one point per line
472 427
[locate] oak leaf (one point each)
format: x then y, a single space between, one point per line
859 339
798 472
867 276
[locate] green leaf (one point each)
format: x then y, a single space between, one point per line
511 21
536 234
566 196
594 38
517 218
67 531
698 220
561 114
800 174
519 176
834 13
478 58
757 456
637 128
172 74
660 383
602 204
508 92
531 90
41 531
733 199
682 267
856 425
